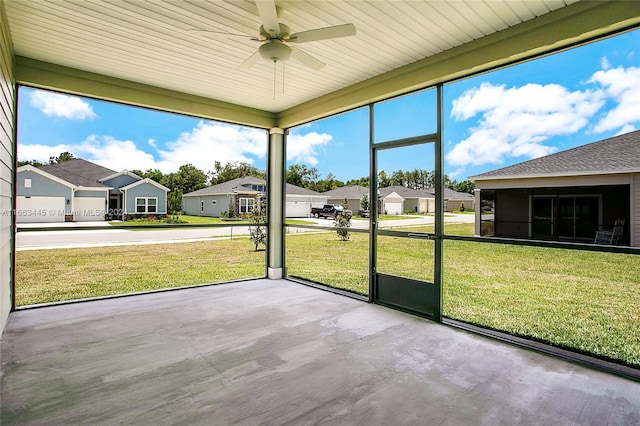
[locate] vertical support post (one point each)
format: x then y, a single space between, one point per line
373 208
439 218
275 204
477 212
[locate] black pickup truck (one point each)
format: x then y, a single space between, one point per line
328 210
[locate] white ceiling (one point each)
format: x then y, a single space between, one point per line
153 42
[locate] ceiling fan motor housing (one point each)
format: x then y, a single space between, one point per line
275 50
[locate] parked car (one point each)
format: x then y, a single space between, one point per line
329 211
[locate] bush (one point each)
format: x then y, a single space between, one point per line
343 221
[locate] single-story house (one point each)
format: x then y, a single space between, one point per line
241 195
353 194
455 200
565 196
396 200
79 190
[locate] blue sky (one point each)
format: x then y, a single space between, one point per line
491 121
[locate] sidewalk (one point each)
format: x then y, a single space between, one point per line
63 224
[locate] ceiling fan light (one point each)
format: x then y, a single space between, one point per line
275 51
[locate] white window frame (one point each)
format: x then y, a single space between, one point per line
27 182
146 205
246 205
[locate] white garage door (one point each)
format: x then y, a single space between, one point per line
40 209
298 209
393 208
88 209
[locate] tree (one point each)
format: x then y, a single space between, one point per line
364 202
258 229
34 163
383 179
153 174
363 181
64 156
299 175
235 170
343 221
329 183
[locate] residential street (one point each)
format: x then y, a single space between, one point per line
112 237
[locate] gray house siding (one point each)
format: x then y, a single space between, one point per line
7 150
92 194
42 187
145 190
354 204
206 205
635 211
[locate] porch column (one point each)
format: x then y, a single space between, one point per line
477 213
275 194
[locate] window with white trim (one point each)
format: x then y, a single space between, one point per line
27 183
146 205
246 205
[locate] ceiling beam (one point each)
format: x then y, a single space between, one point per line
45 75
563 28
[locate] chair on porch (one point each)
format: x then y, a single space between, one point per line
610 237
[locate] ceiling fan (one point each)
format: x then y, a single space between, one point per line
277 37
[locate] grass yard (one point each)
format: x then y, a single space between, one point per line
586 301
66 274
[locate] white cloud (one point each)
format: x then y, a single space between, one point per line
40 153
57 105
118 155
604 63
302 148
516 121
209 142
623 87
202 146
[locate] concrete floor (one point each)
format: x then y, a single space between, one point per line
271 352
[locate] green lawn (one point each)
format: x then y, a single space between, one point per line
65 274
587 301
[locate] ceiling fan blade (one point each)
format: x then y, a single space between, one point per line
336 31
250 61
269 16
305 59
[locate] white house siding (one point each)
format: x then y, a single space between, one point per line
635 211
7 150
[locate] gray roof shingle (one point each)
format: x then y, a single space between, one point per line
79 172
619 154
355 191
237 185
